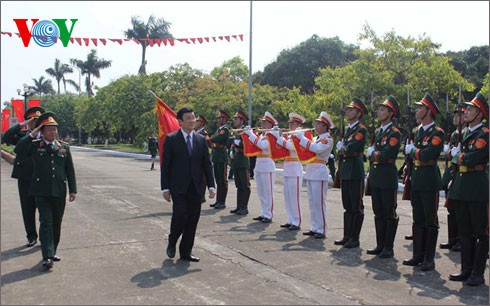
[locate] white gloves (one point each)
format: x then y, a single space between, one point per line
446 148
409 146
455 150
300 135
248 130
331 156
370 150
340 144
236 142
275 131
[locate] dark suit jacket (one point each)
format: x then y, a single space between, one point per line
179 170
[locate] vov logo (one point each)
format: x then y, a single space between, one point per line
45 32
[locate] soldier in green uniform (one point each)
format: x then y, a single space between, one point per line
351 172
53 169
383 178
220 158
153 149
22 171
449 172
200 129
426 182
469 190
240 166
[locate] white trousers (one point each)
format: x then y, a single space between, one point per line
265 190
317 202
292 190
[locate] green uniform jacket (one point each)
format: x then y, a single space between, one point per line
448 171
383 173
220 141
152 145
239 159
52 168
23 165
352 167
471 185
428 147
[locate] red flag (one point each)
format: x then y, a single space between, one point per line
277 152
250 149
304 155
18 106
33 102
5 120
167 122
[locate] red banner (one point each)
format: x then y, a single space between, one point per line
250 149
5 120
33 102
167 122
18 106
277 152
304 155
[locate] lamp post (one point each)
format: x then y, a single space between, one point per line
27 93
79 92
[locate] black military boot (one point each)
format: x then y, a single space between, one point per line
356 231
479 262
430 248
418 247
467 256
391 227
238 202
452 232
244 202
348 217
380 227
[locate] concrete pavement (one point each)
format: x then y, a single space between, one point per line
115 234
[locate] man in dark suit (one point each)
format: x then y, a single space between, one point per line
185 162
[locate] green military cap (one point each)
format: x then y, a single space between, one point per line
222 113
33 112
391 102
47 118
480 102
429 103
240 114
356 103
460 108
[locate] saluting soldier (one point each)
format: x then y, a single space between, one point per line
200 129
265 168
22 171
469 189
383 178
351 172
240 166
292 174
316 174
220 158
449 172
426 182
53 169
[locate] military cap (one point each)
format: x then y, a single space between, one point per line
268 117
295 117
391 102
201 118
325 118
429 103
460 108
356 103
35 112
480 102
240 114
47 118
222 113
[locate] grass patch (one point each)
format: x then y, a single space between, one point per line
7 148
122 147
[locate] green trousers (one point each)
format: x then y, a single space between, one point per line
28 207
51 212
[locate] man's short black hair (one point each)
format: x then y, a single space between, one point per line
182 111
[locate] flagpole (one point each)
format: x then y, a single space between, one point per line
150 91
250 71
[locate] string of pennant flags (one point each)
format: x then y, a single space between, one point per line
151 41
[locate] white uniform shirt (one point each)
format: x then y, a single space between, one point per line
291 168
321 145
264 162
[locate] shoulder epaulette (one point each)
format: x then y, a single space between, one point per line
439 128
485 130
395 129
362 126
37 140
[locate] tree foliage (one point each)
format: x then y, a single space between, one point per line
91 67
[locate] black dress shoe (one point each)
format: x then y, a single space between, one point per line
219 206
428 265
459 277
266 220
286 225
413 261
377 250
445 245
242 212
213 205
31 243
319 236
171 251
56 258
259 218
408 237
190 258
234 211
475 280
48 264
309 233
294 228
341 241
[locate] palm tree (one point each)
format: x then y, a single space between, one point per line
58 72
43 86
154 28
91 67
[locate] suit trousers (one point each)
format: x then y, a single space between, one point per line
317 202
28 207
265 191
51 212
292 191
185 216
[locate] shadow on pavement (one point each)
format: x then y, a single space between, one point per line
155 277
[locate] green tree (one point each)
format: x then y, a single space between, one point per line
233 70
58 72
91 67
43 86
154 28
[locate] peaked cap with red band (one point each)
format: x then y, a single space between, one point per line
393 105
356 103
201 118
460 108
222 113
325 118
480 102
268 117
296 117
47 118
429 103
35 112
240 114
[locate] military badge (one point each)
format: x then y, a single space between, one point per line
480 143
359 136
393 141
436 140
